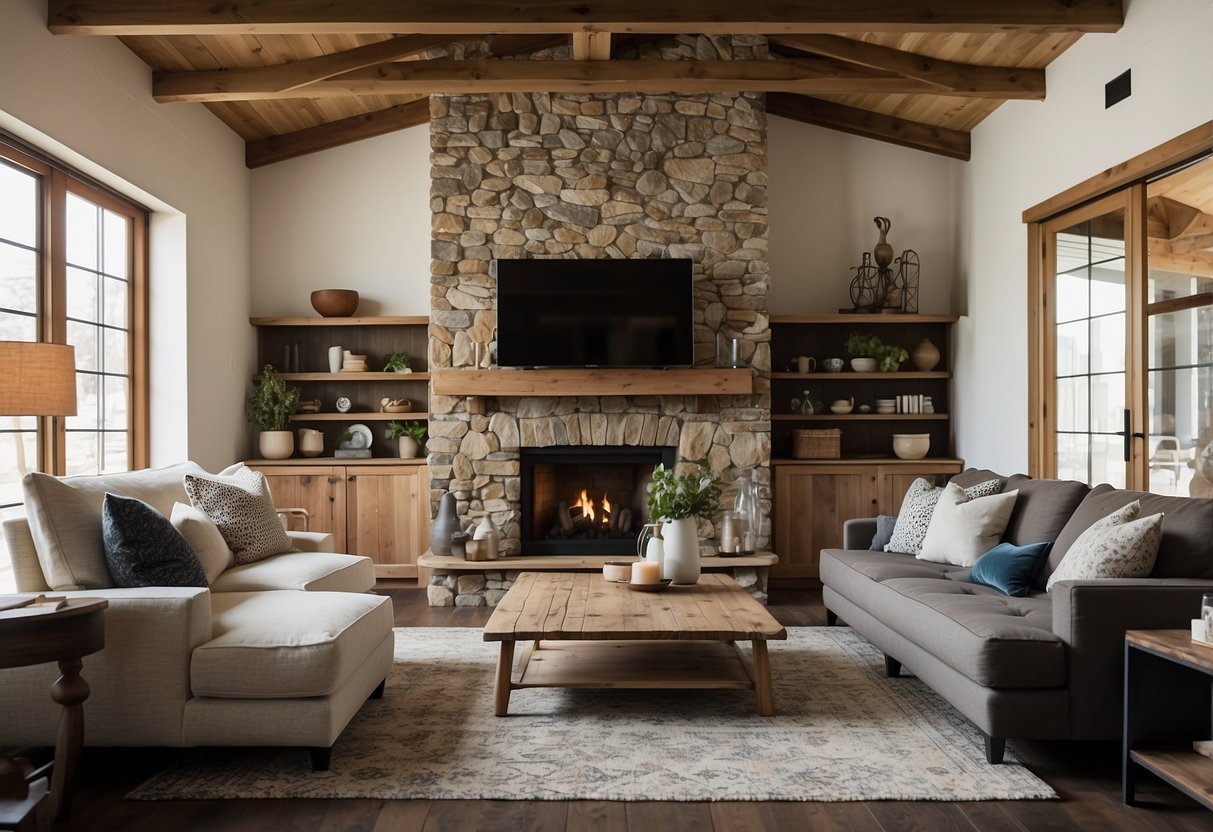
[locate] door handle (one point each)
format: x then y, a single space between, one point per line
1129 435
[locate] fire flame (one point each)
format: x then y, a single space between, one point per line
587 507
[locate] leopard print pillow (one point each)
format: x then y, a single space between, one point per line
241 507
917 509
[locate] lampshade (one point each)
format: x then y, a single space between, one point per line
37 379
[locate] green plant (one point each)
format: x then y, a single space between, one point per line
272 403
413 428
674 497
343 437
891 357
396 362
888 356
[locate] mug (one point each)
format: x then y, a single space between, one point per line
805 363
832 365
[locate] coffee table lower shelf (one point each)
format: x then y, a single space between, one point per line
635 665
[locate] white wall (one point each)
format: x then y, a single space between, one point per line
356 217
826 187
88 101
1027 152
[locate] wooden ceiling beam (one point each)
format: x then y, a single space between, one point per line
442 76
940 140
335 133
591 46
465 17
948 76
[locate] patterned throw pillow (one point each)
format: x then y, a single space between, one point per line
962 528
1117 546
917 508
143 549
241 507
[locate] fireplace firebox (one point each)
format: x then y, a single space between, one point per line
586 499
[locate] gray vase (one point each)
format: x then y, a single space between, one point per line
444 525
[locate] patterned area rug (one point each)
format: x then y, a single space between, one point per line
842 731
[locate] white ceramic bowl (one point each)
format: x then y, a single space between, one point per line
911 445
840 408
617 571
863 365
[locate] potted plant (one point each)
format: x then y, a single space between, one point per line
397 362
411 435
676 501
270 408
869 352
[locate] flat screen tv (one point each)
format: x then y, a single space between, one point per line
594 313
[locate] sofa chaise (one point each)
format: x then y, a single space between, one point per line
279 652
1045 666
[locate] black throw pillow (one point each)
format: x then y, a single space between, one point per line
143 549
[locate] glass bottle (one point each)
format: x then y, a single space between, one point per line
745 509
806 404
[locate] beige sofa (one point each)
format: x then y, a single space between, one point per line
281 652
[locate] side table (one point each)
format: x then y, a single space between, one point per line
1167 706
40 634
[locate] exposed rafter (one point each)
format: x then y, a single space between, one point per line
951 143
206 17
335 133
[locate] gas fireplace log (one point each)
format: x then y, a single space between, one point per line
625 521
563 518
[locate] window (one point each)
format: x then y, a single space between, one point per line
72 269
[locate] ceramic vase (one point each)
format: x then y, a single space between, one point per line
311 442
925 355
444 525
882 252
487 532
680 544
336 357
276 444
409 449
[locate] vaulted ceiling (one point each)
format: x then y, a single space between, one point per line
297 76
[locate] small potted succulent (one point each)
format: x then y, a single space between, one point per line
397 362
270 408
676 501
411 435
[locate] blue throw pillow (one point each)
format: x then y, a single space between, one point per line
143 549
884 532
1010 569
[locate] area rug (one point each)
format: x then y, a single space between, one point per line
842 731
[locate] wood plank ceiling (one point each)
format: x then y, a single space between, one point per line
297 76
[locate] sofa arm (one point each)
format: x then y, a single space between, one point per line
312 541
858 533
1091 617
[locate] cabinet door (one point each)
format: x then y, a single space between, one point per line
388 517
320 490
811 504
893 480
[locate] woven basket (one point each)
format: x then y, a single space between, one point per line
817 444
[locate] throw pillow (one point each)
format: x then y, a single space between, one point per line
917 508
885 524
1118 546
241 507
963 528
204 538
143 549
1009 568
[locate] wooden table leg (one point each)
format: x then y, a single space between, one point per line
762 678
70 691
505 667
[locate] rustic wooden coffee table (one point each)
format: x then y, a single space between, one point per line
589 633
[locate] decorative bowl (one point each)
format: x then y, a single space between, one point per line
840 409
335 303
911 445
617 571
863 365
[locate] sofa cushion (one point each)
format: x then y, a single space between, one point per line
241 506
65 518
143 549
917 508
1042 509
315 571
283 644
1187 528
204 538
1121 545
963 528
1009 568
970 477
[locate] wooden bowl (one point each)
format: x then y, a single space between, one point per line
335 303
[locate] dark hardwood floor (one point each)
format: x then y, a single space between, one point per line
1086 775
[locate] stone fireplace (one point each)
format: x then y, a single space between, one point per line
594 176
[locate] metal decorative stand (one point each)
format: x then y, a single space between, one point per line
907 280
866 289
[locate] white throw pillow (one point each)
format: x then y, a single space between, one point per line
241 507
204 538
963 528
918 506
1116 546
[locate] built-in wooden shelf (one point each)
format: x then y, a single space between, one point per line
359 417
865 319
367 320
343 377
859 417
566 563
332 461
847 375
704 381
871 460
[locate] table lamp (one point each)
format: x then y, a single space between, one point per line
37 379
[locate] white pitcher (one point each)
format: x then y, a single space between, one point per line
650 546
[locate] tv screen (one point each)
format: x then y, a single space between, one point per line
594 313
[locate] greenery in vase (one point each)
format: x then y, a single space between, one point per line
891 357
344 437
397 362
412 428
887 356
673 497
272 403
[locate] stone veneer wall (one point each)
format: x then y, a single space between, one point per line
593 176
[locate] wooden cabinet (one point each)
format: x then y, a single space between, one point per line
373 508
814 498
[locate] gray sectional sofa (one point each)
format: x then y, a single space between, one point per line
1047 666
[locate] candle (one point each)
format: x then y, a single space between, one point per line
646 572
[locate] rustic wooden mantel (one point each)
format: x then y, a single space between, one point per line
706 381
